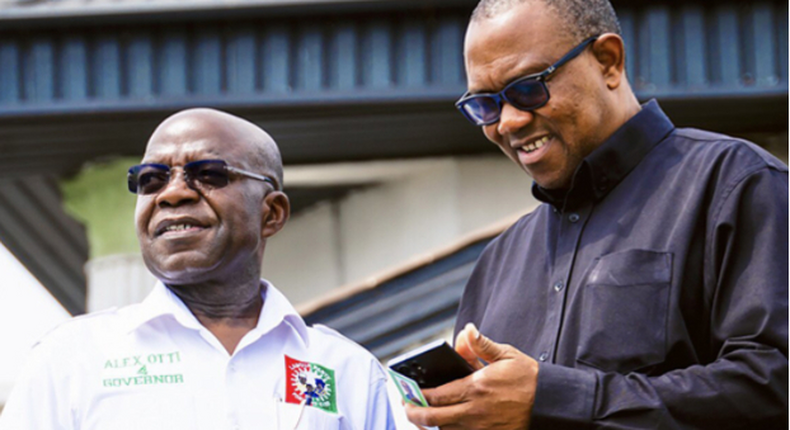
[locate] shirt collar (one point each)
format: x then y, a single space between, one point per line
162 303
276 310
608 164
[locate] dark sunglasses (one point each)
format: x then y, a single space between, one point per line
525 93
202 174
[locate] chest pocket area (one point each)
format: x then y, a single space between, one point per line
288 415
624 311
142 409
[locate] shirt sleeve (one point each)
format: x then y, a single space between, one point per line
379 413
746 278
38 400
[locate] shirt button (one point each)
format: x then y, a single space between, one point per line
232 367
543 356
559 286
573 217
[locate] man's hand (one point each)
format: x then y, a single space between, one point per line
497 396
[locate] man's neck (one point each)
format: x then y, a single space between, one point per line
227 311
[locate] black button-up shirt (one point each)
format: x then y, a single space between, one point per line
654 292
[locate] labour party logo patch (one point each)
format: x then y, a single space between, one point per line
310 383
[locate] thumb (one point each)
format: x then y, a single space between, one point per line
485 348
463 347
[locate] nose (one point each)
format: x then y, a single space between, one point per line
511 120
177 191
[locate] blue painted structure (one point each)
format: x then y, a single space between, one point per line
302 74
350 81
47 67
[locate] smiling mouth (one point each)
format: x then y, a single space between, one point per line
179 228
534 146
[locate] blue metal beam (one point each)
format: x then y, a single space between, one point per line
692 51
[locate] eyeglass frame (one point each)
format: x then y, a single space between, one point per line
228 167
541 77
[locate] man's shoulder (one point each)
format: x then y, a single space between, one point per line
77 338
338 350
721 149
83 328
326 337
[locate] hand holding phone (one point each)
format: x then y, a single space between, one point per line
431 365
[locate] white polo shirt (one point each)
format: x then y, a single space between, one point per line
154 366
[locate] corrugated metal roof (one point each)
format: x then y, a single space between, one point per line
413 307
328 86
33 11
324 86
52 246
242 62
405 305
31 8
358 83
726 49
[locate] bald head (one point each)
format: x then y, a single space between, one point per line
258 147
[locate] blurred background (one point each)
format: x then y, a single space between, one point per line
393 194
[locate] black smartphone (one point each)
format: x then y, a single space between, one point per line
431 365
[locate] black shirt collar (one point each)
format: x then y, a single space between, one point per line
608 164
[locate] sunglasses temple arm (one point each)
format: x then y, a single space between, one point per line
571 55
255 176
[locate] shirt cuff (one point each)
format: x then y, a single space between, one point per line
564 398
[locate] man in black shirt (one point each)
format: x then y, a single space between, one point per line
650 288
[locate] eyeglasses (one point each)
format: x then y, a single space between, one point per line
526 93
203 174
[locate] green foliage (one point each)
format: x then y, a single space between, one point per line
98 197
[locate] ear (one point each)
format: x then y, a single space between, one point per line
609 51
276 210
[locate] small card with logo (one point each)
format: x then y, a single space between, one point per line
408 388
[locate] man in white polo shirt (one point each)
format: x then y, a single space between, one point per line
213 346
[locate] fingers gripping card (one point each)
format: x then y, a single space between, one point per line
408 388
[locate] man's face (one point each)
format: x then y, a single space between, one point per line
223 234
551 141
